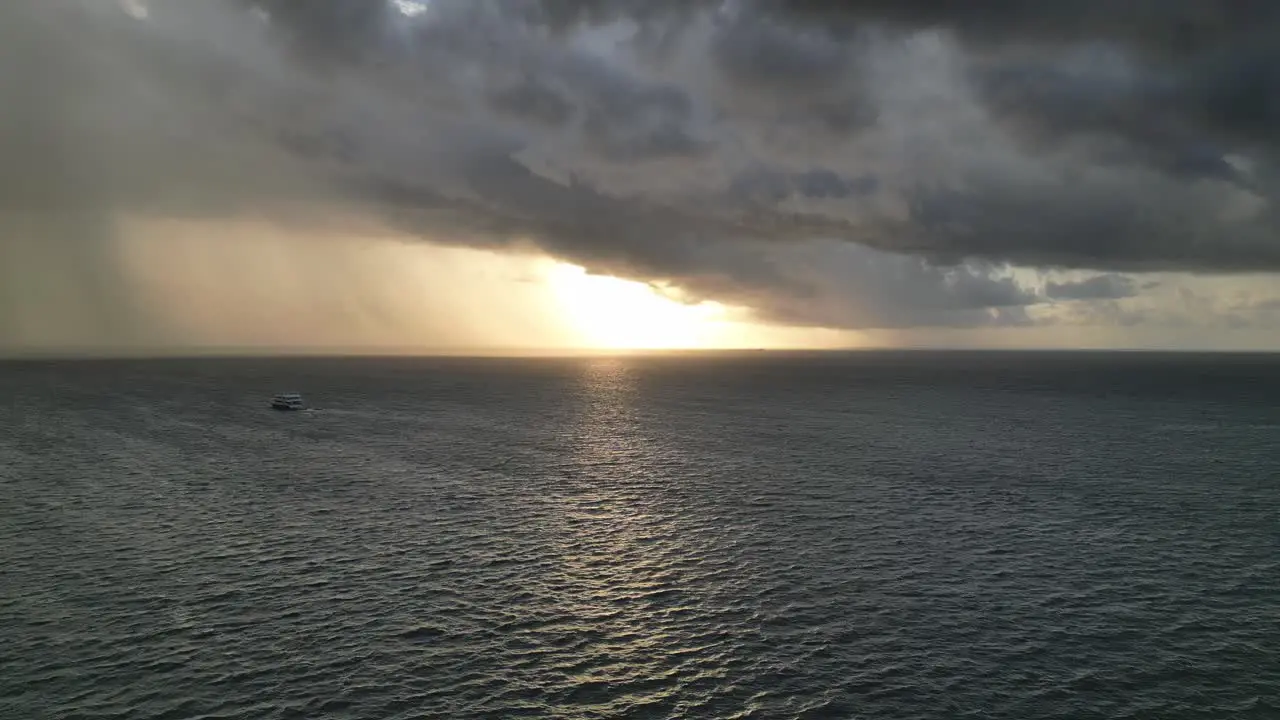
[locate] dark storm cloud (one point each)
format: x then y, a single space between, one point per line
563 15
329 30
1200 65
823 183
766 186
793 79
622 116
1162 92
1158 27
1160 226
1168 88
533 101
627 120
784 58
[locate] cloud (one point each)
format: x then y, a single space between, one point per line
1139 178
854 286
856 164
1099 287
533 101
762 185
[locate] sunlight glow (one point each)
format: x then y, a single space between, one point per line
253 286
609 313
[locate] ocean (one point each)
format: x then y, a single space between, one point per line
873 535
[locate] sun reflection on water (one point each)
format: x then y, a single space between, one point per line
615 536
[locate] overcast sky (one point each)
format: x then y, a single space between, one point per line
934 171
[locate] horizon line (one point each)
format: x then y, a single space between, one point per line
97 354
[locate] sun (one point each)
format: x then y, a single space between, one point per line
612 314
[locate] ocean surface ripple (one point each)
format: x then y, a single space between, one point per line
826 536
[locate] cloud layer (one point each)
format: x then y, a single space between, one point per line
867 164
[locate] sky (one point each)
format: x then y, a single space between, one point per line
520 175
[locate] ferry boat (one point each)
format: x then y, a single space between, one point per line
287 401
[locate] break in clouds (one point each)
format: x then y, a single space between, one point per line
862 164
